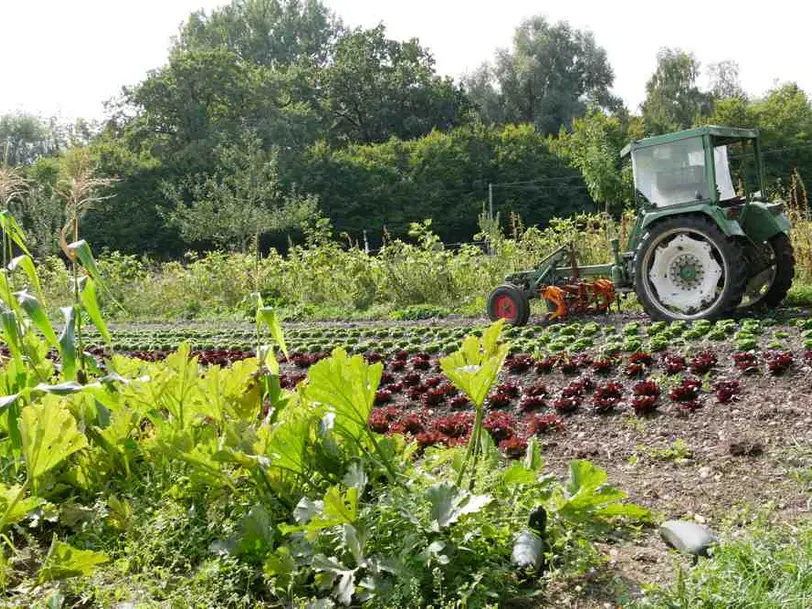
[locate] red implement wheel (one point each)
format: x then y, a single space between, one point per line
509 303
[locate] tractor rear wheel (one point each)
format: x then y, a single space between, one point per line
685 267
770 286
509 303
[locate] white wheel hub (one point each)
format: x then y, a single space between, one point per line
685 274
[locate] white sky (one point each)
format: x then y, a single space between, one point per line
68 56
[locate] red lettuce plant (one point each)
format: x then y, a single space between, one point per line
409 422
498 400
380 419
418 363
673 363
433 381
532 402
509 389
514 448
457 425
373 357
433 397
545 366
519 364
411 379
644 404
394 387
603 366
635 370
382 396
397 365
416 392
568 365
746 362
778 362
537 389
500 425
459 401
686 391
430 438
641 357
703 362
727 391
567 404
607 397
544 423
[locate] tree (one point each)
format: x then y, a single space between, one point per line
593 147
242 200
549 77
376 88
784 120
724 80
39 210
272 33
24 138
673 100
443 176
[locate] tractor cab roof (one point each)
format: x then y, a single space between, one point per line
720 135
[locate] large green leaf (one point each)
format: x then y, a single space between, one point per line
181 395
288 442
90 304
11 332
36 312
14 506
26 263
475 367
449 503
336 576
346 385
85 255
588 497
49 436
13 230
65 561
6 293
67 343
256 536
267 316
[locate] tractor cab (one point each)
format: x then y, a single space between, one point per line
694 166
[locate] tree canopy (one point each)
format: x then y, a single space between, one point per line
265 109
548 77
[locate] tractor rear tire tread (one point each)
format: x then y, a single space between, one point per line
730 249
784 270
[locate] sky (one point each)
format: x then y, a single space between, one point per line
66 57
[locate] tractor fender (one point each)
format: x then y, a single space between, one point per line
763 221
728 226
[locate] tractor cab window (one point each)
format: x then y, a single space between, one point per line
724 184
670 174
741 169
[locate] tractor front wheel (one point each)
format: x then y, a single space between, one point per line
685 267
509 303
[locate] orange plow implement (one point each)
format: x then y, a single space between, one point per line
579 297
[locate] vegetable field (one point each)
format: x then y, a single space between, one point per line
411 464
701 421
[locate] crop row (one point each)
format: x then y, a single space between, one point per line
575 337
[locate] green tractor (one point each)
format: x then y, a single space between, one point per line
697 250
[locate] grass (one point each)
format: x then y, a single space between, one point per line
771 568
